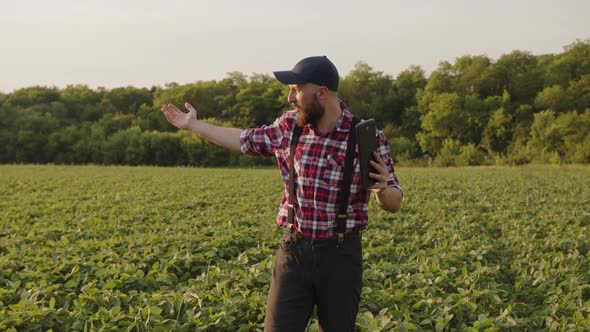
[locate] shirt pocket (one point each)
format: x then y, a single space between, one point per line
333 170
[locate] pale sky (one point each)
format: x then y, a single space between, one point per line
148 42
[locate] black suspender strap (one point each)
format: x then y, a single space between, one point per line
344 192
294 140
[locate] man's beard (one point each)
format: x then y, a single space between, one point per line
310 114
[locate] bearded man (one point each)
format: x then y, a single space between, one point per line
319 259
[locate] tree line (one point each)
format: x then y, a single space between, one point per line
518 109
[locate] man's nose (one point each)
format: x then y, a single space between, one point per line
291 96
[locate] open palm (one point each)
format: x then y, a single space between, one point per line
178 118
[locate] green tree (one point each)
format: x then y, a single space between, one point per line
407 84
89 149
61 144
126 100
114 148
470 155
574 130
578 94
7 134
138 147
570 65
554 98
371 94
477 112
441 79
81 101
519 108
444 119
32 130
260 102
545 136
149 119
35 95
498 132
112 123
470 76
166 149
519 74
448 154
211 98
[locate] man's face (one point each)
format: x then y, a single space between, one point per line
304 98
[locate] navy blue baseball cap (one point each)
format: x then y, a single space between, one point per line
316 69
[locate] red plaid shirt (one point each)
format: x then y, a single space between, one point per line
319 168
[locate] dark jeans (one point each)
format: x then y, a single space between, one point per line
315 272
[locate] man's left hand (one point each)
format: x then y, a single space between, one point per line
382 175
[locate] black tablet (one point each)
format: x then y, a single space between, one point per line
367 143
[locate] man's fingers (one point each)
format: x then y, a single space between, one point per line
379 183
378 167
192 111
173 107
189 107
167 112
169 116
172 110
378 177
172 113
167 108
383 176
379 159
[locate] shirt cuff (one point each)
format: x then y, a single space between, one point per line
399 188
244 143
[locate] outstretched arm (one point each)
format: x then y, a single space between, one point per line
226 137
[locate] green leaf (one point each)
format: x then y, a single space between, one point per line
110 284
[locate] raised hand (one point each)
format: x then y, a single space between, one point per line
178 118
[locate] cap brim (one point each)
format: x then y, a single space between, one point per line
288 77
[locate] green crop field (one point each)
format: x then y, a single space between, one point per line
158 249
